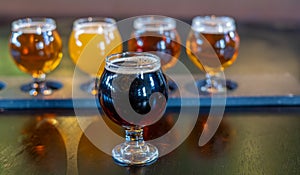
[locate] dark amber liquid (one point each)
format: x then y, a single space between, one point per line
140 90
225 47
167 45
36 53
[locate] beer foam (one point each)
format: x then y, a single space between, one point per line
154 24
34 27
94 27
213 25
133 65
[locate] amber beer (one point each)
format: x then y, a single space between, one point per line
35 46
225 43
158 35
92 40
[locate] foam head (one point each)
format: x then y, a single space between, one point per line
132 63
213 24
154 23
94 25
33 25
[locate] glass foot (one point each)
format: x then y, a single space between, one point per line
172 86
2 85
34 89
204 88
89 87
135 153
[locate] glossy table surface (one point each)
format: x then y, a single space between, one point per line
248 141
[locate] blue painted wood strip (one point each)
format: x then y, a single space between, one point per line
173 102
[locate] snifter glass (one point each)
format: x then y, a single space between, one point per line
133 94
36 48
158 35
91 41
212 45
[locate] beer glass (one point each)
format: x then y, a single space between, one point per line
99 37
133 94
36 48
158 35
212 45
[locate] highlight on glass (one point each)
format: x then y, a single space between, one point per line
36 48
92 39
133 93
218 32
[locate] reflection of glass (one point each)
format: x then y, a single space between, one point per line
218 144
137 80
136 170
36 48
156 34
43 144
221 34
100 37
49 137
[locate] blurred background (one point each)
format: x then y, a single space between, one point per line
278 11
269 30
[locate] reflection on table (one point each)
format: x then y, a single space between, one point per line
249 140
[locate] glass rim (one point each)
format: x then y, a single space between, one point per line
219 24
30 21
109 22
111 60
154 22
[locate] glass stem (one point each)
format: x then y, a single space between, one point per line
39 86
135 151
39 82
134 135
214 81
